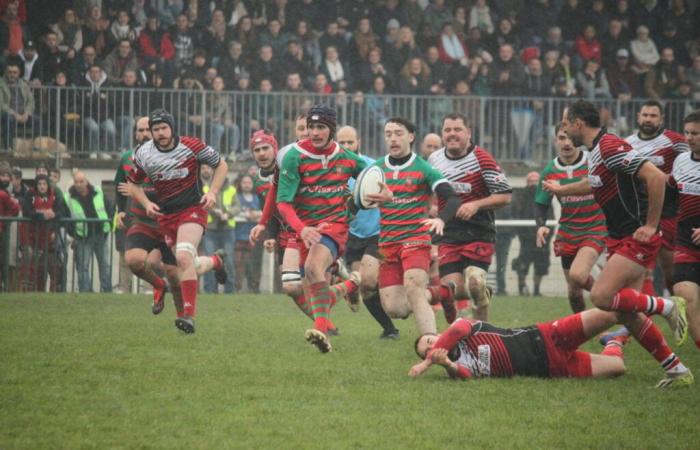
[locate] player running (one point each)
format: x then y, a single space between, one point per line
312 199
363 247
405 227
476 349
172 164
630 193
582 231
467 246
685 178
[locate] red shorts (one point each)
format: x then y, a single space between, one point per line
668 227
169 223
146 230
684 255
563 248
337 232
288 239
474 251
562 339
632 249
398 258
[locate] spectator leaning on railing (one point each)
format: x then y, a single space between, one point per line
16 106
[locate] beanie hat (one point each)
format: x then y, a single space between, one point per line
263 137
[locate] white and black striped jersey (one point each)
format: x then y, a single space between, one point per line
174 173
685 178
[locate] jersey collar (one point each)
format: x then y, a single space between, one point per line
574 165
402 166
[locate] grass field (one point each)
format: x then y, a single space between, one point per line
99 371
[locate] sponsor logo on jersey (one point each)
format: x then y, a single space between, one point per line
461 188
595 181
689 188
322 189
175 174
484 360
631 156
656 160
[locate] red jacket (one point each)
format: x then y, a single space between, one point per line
149 49
9 207
588 50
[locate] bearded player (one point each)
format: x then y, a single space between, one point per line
172 164
467 246
630 192
581 235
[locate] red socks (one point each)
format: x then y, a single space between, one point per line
649 336
631 300
216 262
613 348
648 287
189 296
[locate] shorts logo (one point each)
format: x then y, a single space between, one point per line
656 160
595 181
640 256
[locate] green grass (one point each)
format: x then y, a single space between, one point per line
99 371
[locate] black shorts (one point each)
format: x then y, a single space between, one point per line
686 272
357 247
567 261
147 243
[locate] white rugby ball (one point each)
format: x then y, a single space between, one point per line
368 183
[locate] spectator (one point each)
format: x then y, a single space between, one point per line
478 45
644 50
566 84
156 50
662 80
81 65
332 37
69 33
460 21
190 116
535 82
16 106
233 64
592 81
597 16
9 207
296 61
309 11
221 124
18 189
96 30
309 42
670 38
415 78
570 19
31 65
321 85
681 19
265 67
86 201
119 60
363 40
434 16
478 78
648 13
382 14
622 13
403 49
52 57
370 69
97 119
451 47
693 79
275 37
168 11
613 41
12 33
481 18
337 73
121 29
378 103
216 36
247 256
506 35
506 73
588 46
623 81
122 111
184 42
536 20
200 65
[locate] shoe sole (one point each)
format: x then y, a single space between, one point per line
318 339
184 326
157 307
680 331
685 380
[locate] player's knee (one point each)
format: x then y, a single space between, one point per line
185 255
601 298
476 284
135 262
368 283
578 278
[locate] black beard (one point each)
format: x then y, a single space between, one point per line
649 129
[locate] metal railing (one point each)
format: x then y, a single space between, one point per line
78 122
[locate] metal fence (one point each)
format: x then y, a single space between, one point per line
80 122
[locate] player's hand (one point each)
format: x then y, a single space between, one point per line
255 233
695 237
420 368
120 220
310 236
269 245
208 200
644 233
383 196
436 225
467 211
542 233
123 188
439 356
551 186
153 210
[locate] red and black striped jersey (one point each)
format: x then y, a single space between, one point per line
473 176
685 178
662 150
174 173
612 173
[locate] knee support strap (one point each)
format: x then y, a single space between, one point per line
291 276
188 248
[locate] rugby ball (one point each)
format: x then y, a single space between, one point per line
368 183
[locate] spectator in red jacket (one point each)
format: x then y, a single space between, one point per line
451 47
156 49
9 207
587 45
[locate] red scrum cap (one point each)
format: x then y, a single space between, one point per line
263 137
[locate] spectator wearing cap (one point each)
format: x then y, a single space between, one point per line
622 79
336 72
363 40
69 33
156 50
16 106
614 39
31 64
12 33
644 50
434 16
119 60
662 80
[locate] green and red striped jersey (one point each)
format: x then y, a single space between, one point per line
317 184
412 184
134 211
581 216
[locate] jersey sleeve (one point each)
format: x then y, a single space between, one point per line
203 152
679 143
433 177
120 176
289 178
619 156
136 175
494 177
360 163
541 196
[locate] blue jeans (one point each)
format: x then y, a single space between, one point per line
126 131
226 146
85 247
101 136
214 240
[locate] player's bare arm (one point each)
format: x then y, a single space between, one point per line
579 188
139 195
655 182
209 199
493 201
